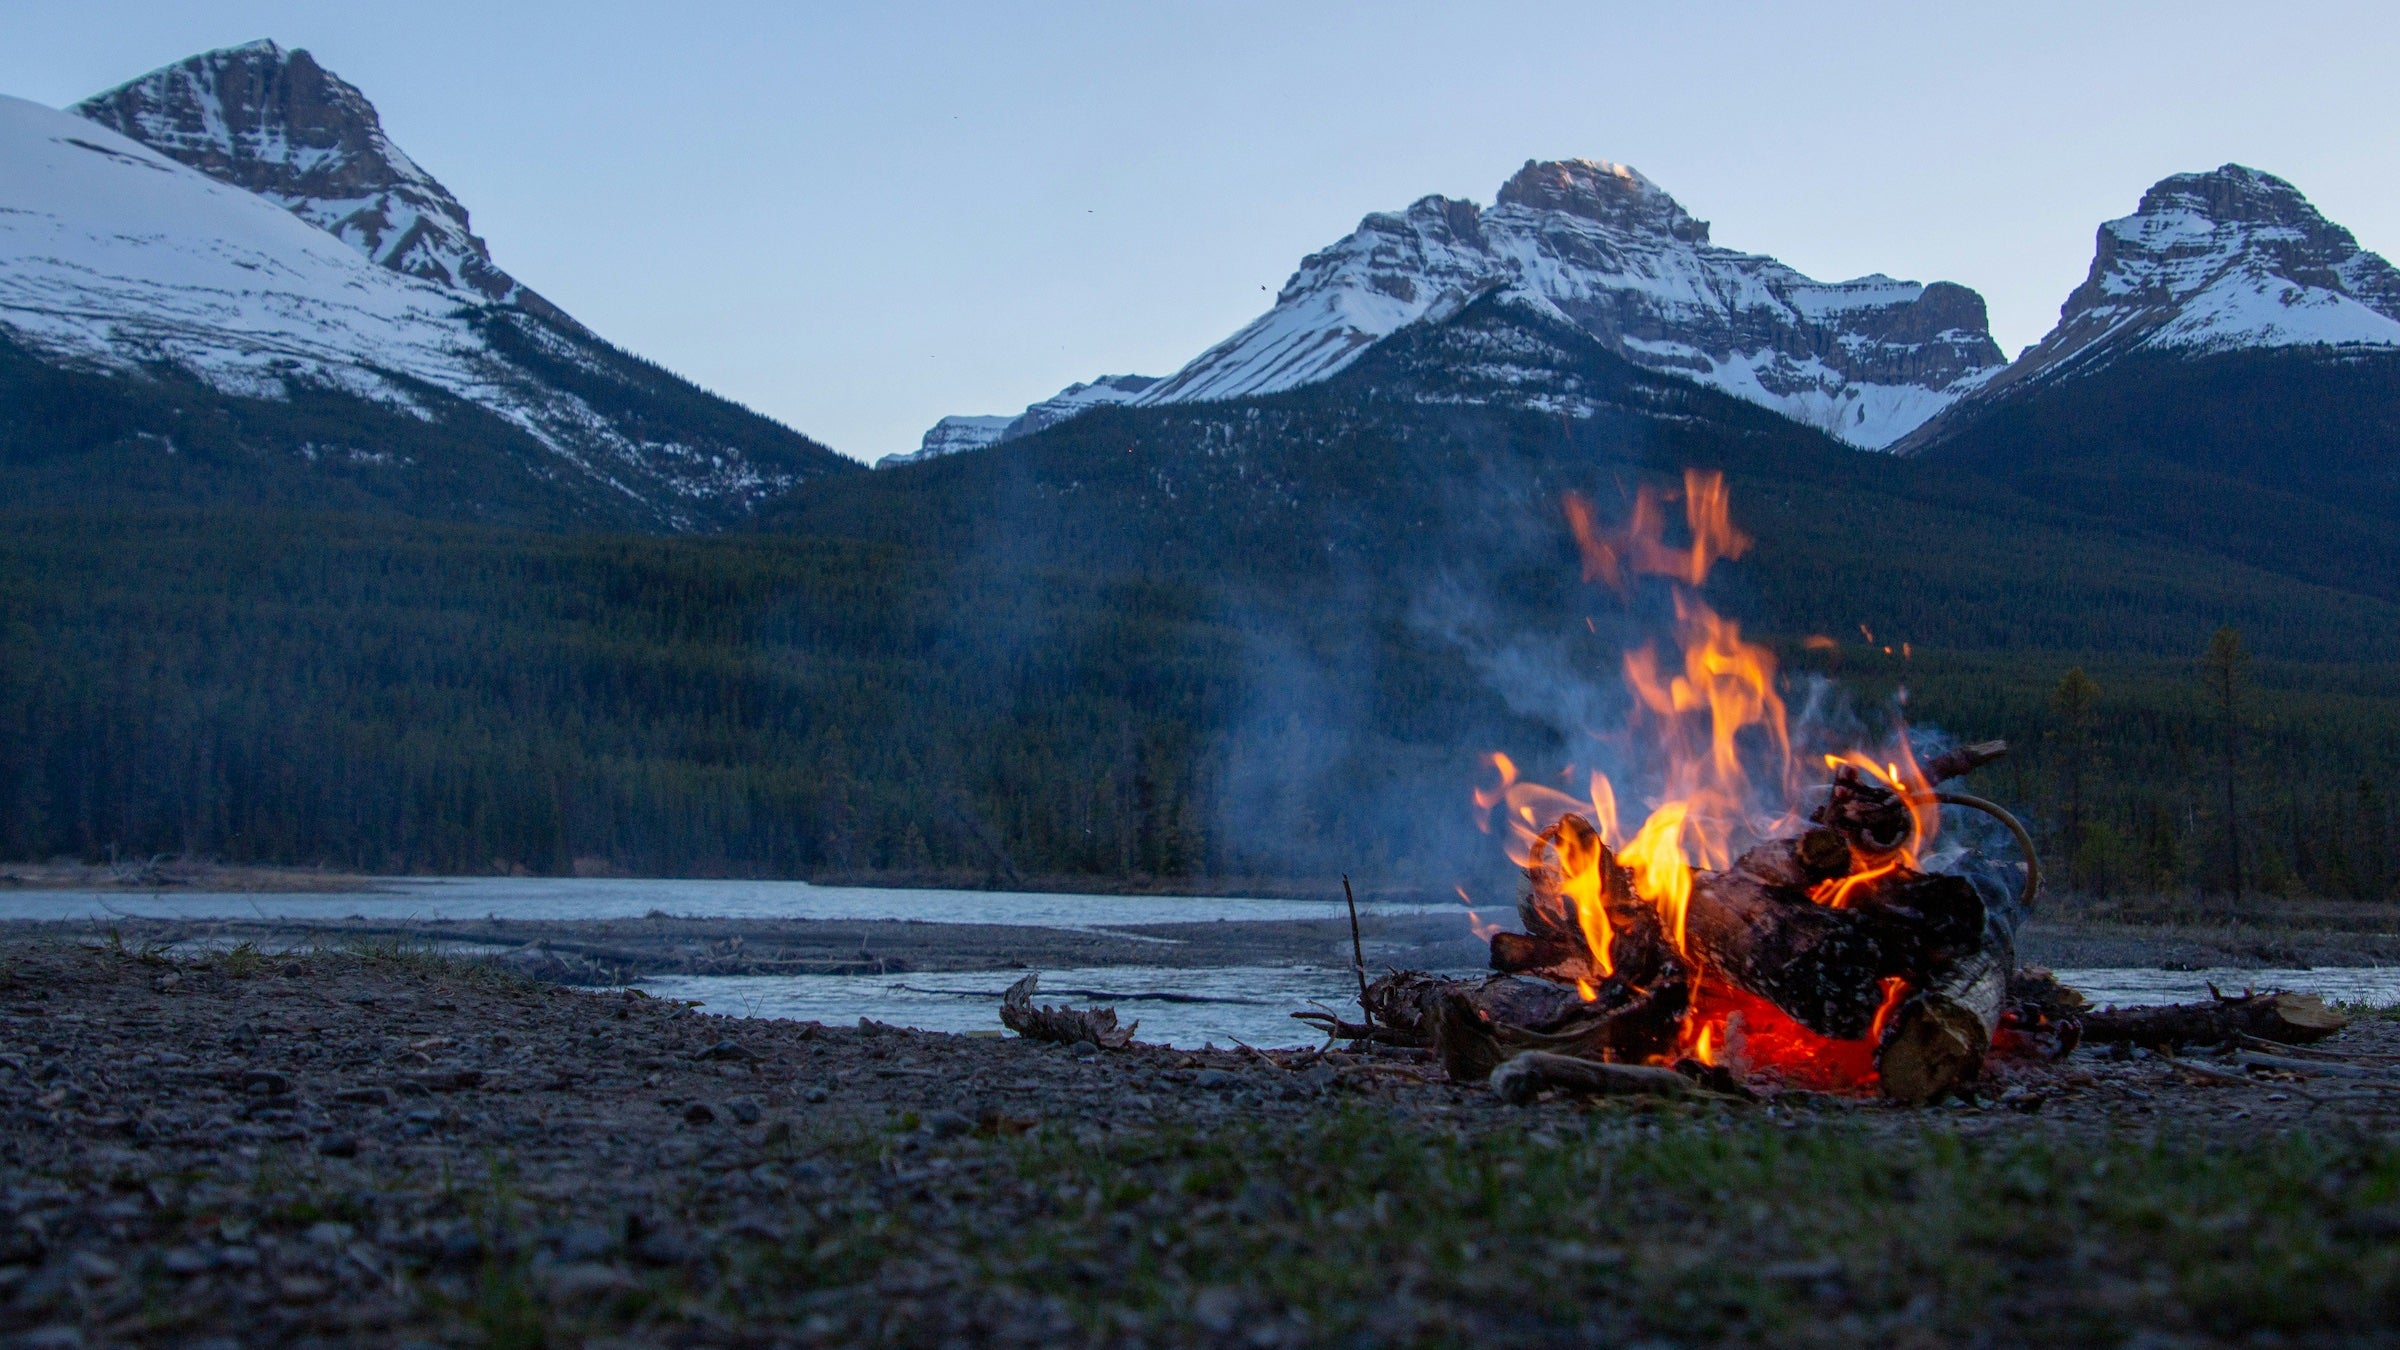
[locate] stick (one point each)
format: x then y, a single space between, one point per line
1358 952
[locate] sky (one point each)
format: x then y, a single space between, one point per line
859 218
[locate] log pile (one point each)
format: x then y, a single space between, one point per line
1832 935
1851 964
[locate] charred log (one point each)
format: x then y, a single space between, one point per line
1826 966
1556 944
2285 1018
1876 819
1961 761
1819 856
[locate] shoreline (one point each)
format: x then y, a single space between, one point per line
614 951
380 1147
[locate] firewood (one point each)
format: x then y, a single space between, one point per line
1464 1038
1820 855
1874 817
1826 966
1554 945
1525 1076
1935 1042
1065 1026
1963 760
2286 1018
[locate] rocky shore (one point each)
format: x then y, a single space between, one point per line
380 1146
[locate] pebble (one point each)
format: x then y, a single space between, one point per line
744 1110
1215 1078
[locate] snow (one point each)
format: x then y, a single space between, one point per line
111 253
953 435
950 436
114 257
2227 260
1636 272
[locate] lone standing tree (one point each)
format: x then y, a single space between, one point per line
2221 668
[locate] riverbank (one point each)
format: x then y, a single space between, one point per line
378 1146
614 951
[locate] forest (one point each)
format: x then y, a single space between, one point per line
1259 643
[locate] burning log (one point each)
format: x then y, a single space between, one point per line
1936 1039
1062 1025
2285 1018
1827 966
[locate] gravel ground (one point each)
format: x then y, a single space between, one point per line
377 1146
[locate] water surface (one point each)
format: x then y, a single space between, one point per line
569 898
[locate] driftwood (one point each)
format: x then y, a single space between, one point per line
2287 1019
1523 1077
1064 1026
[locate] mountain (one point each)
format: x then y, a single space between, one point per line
1866 360
2227 377
277 124
2229 260
168 334
954 434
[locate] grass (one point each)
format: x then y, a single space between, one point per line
1618 1224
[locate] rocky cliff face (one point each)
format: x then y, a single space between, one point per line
275 123
2219 261
1868 360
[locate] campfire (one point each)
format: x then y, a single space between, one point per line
1770 915
1786 915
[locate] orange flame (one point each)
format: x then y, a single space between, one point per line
1713 712
1641 546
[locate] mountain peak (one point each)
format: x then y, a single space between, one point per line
2231 192
1595 189
1600 246
2223 260
274 122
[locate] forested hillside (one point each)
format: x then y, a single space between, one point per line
1260 639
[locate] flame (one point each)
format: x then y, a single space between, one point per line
1705 718
1641 546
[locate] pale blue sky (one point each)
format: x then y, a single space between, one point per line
858 218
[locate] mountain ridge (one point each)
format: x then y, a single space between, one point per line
236 287
1599 245
2226 260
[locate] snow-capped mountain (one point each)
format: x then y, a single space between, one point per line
2214 262
278 124
118 258
1600 245
954 434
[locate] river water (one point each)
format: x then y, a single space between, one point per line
1182 1007
431 898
